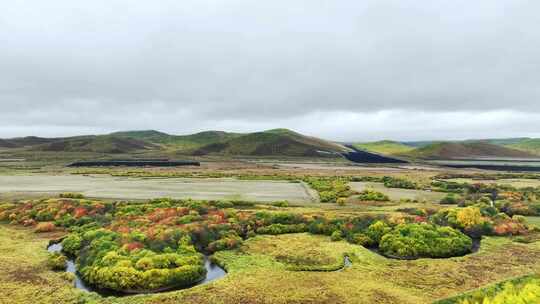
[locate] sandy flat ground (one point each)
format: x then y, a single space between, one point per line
139 188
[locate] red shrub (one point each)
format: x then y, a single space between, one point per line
79 212
420 219
133 246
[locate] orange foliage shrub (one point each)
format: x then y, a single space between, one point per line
45 227
79 212
133 246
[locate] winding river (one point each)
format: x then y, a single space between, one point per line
213 272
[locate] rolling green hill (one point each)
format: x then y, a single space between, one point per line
97 144
273 142
454 150
505 141
179 142
146 135
385 147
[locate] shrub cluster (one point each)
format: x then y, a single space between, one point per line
424 240
330 189
479 220
71 195
394 182
57 261
510 293
372 195
451 199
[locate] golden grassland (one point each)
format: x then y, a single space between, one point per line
259 272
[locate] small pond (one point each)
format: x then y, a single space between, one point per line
346 263
213 272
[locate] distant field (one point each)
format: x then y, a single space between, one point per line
139 188
397 194
515 182
385 147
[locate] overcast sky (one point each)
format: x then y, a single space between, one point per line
340 69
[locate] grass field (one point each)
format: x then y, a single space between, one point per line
398 194
386 147
514 182
258 273
535 220
24 278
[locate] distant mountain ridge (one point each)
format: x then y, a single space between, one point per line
276 142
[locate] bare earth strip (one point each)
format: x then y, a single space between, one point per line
139 188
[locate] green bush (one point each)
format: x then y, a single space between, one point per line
527 293
72 244
372 195
450 199
223 204
282 229
394 182
336 236
280 204
362 239
57 261
424 240
377 230
71 195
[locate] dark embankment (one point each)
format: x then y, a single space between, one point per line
495 167
135 163
359 156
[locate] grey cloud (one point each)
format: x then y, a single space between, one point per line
188 65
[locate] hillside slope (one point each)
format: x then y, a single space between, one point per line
97 144
273 142
179 142
385 147
21 142
7 144
529 145
461 150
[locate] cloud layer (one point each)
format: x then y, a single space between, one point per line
349 70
